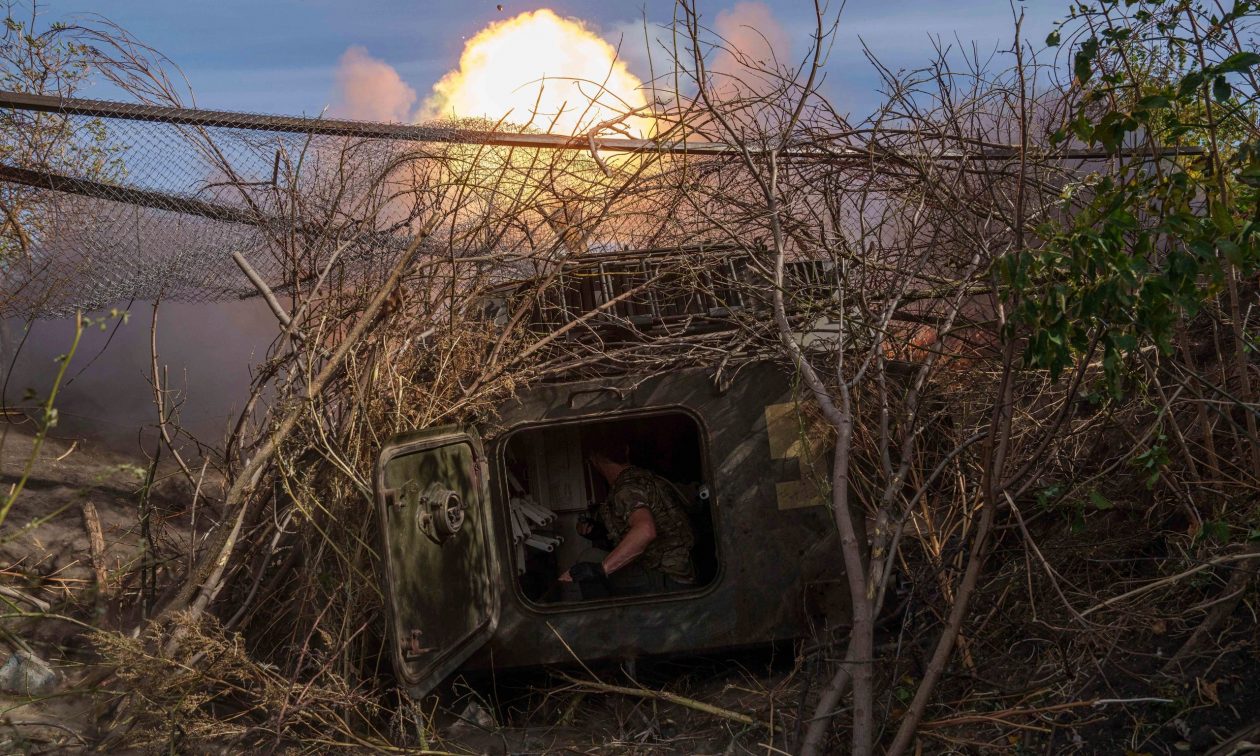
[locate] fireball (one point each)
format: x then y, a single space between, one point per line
544 72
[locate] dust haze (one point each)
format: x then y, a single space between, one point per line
209 351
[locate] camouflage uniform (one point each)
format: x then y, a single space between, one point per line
670 552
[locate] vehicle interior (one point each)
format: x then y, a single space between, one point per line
552 488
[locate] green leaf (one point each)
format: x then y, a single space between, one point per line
1221 89
1189 84
1099 501
1082 69
1047 495
1250 176
1238 62
1082 129
1052 39
1082 63
1201 249
1154 102
1215 530
1223 219
1231 250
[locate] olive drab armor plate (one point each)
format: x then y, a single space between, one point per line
434 505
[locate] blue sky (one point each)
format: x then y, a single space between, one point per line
280 56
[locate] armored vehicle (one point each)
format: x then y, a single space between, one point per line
478 523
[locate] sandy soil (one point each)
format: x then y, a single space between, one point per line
47 566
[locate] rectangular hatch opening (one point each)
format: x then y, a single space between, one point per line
554 488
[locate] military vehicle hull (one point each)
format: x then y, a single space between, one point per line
458 601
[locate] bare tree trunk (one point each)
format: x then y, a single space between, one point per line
815 738
861 647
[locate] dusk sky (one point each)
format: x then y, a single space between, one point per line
283 56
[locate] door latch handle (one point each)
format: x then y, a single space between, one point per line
414 646
440 514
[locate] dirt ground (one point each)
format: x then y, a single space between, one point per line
1022 694
51 568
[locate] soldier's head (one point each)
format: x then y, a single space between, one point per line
609 457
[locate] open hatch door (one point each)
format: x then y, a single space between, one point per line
433 500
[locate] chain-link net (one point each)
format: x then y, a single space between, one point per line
109 202
100 210
106 202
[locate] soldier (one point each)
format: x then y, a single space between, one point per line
648 528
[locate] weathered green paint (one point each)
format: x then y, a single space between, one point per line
442 599
780 569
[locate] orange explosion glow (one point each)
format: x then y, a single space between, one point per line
503 68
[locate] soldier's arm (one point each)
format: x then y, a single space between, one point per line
642 531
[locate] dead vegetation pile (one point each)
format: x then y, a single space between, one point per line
1048 530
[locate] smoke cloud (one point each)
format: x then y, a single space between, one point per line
369 89
207 349
751 28
754 38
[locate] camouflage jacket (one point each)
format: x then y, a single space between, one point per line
670 551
